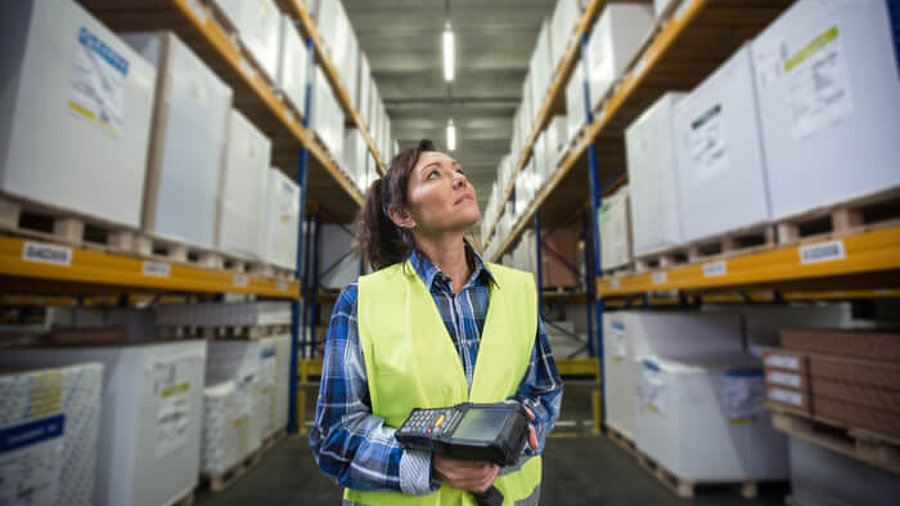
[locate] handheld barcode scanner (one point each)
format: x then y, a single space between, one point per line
467 431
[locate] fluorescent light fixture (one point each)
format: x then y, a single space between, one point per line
451 136
449 64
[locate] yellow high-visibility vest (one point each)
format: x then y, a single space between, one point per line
411 362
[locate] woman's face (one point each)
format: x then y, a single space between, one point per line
440 196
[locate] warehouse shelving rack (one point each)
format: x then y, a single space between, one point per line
64 270
685 47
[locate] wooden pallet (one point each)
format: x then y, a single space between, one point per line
686 489
29 219
622 441
875 449
223 332
221 481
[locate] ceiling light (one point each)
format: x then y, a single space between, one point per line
451 136
449 65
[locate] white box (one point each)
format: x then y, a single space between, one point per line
820 476
703 419
615 40
281 221
652 176
187 141
614 222
355 149
721 169
327 116
364 91
562 28
348 66
293 65
529 111
240 224
339 264
49 426
557 141
539 69
679 335
240 362
223 440
148 450
326 14
539 157
619 373
576 107
258 24
52 67
662 7
829 99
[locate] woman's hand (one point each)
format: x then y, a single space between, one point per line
470 475
532 434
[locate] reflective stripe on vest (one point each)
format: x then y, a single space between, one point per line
411 362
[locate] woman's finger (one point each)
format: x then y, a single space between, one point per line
532 437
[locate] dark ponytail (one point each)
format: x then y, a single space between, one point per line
382 243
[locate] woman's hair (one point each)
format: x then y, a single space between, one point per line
382 243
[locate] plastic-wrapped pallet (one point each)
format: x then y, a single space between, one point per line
650 148
565 18
614 221
257 25
339 265
293 65
55 55
539 69
814 127
148 450
280 348
703 419
619 373
281 221
721 168
224 429
245 175
48 426
576 107
615 40
327 116
239 362
187 142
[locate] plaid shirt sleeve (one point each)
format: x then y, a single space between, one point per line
541 388
350 444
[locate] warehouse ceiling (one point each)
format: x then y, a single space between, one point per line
494 41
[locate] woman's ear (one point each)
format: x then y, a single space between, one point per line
401 217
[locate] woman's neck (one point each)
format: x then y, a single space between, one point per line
448 253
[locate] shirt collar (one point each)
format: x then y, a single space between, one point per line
428 271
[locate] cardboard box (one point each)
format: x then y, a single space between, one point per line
54 57
872 397
187 143
763 323
148 448
615 40
854 371
258 24
49 427
241 219
614 222
652 177
620 373
293 65
721 168
282 220
557 267
856 415
814 127
878 345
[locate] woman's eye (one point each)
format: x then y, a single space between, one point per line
431 175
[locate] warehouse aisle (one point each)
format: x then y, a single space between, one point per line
577 471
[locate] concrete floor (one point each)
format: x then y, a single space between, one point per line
580 470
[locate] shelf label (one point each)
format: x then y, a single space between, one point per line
615 283
47 254
713 269
782 362
786 396
282 286
240 280
659 278
784 378
156 269
824 252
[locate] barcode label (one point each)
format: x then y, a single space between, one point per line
786 396
782 362
282 286
240 280
157 269
784 379
713 269
615 283
47 254
824 252
659 278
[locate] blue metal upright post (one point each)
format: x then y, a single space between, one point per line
296 316
596 196
588 287
314 287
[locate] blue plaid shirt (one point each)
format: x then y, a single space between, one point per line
355 447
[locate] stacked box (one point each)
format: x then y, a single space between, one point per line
55 56
619 373
282 220
557 142
821 476
187 143
565 18
326 14
339 263
662 7
763 324
224 435
364 91
293 65
787 380
225 313
239 362
814 127
327 116
526 119
614 224
652 176
539 69
257 24
557 268
615 40
148 448
576 106
49 421
282 373
703 419
240 222
539 156
355 150
721 168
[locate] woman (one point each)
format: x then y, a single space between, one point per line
433 326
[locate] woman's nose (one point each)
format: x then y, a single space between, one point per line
459 180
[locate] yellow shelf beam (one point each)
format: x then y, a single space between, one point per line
865 252
69 267
301 13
